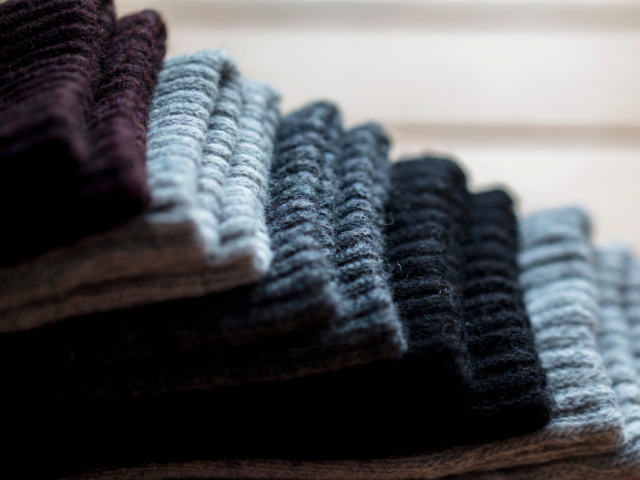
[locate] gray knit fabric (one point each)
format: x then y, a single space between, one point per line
210 144
560 293
619 344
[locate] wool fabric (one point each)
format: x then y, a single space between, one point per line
325 301
74 93
377 403
209 150
429 211
560 291
115 180
617 339
441 295
326 216
506 392
488 244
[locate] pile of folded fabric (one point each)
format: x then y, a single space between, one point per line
194 286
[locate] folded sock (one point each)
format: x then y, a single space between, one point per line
209 151
506 391
74 93
327 281
326 217
617 337
429 211
559 284
115 180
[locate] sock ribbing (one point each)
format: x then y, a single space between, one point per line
115 180
559 282
507 389
619 295
71 137
210 146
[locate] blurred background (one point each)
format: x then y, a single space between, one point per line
540 96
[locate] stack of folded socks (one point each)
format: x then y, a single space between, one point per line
561 289
209 151
197 287
334 309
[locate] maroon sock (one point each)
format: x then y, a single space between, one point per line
115 177
74 92
48 61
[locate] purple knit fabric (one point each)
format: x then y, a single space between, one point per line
74 92
115 178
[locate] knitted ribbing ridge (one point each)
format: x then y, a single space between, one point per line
115 180
617 338
343 183
506 391
327 196
209 151
74 93
559 283
341 395
507 387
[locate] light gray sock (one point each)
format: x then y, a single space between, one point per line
210 143
561 297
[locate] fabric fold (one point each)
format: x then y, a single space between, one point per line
487 244
209 151
507 391
560 294
74 95
326 218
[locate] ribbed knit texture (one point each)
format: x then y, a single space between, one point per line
559 283
328 275
506 392
210 148
377 404
368 401
617 339
429 233
74 93
428 211
114 180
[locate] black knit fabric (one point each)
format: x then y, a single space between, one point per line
506 389
429 210
483 337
